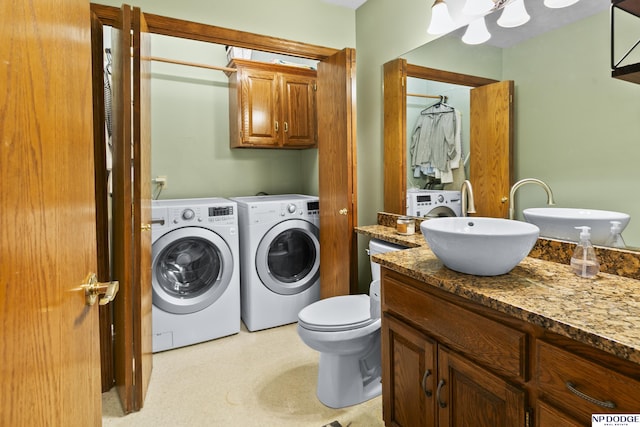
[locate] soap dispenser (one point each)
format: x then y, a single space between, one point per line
615 238
584 262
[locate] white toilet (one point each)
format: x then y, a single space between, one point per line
346 332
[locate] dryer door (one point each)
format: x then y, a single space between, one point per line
288 257
192 268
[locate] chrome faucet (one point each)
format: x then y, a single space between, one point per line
520 184
466 198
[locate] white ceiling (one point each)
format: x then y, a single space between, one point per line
542 20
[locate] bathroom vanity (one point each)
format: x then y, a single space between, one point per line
538 346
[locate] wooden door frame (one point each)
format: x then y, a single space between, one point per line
108 16
395 126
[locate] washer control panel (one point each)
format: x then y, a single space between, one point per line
201 214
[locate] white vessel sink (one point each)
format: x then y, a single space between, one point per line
560 223
479 246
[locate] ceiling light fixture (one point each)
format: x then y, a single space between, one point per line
557 4
514 14
477 32
441 21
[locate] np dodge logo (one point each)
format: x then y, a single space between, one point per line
615 420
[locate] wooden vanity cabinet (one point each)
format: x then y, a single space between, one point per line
428 378
447 360
272 106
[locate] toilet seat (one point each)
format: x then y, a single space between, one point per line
335 314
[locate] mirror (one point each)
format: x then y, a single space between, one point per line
576 127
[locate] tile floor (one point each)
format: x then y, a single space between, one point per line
264 378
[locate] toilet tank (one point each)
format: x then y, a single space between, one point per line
379 247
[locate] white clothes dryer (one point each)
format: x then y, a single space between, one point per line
195 271
280 257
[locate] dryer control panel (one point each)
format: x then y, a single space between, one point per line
433 203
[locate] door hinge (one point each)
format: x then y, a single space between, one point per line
133 371
315 87
527 418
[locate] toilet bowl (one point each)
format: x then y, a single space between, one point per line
346 332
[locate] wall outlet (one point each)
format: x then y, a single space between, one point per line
161 181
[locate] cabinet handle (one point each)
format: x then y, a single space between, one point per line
277 126
604 403
286 127
427 393
439 394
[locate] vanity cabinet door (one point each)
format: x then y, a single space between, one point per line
408 375
548 416
467 394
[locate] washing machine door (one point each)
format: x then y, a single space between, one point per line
192 268
288 257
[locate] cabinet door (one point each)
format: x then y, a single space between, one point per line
468 395
298 111
408 375
259 99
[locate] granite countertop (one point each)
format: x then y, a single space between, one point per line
603 312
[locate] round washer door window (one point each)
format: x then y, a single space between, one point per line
192 267
288 257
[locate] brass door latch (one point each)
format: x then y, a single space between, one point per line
93 289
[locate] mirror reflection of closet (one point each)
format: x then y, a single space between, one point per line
422 95
489 118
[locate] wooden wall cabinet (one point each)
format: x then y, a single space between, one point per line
272 106
446 361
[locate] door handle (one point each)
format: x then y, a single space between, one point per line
93 289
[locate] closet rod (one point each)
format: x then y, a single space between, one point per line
190 64
427 96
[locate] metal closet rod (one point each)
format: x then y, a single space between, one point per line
190 64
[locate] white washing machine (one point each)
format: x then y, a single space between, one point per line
279 257
195 270
433 203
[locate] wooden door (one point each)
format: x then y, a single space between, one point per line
142 205
408 376
299 111
131 208
491 146
337 176
123 316
468 395
50 357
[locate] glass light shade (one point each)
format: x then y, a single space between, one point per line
477 7
441 21
514 14
557 4
477 32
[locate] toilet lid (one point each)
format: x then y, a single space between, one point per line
337 314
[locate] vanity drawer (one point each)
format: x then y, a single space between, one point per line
582 387
500 348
